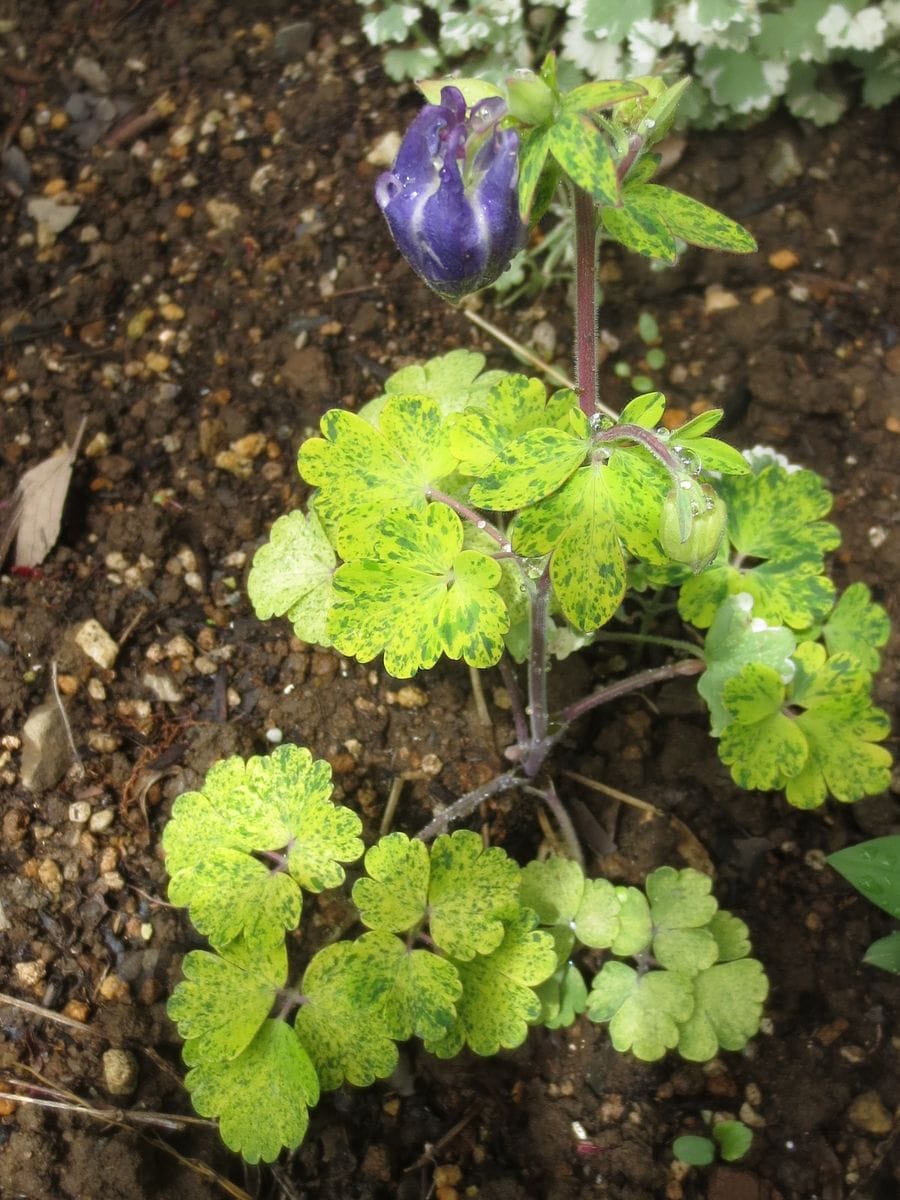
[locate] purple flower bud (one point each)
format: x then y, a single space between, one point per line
451 201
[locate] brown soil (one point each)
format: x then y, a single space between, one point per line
225 280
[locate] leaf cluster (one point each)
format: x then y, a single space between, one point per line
471 983
798 715
692 987
459 947
402 551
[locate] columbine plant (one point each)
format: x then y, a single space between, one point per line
471 515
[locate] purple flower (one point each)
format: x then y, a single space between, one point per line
450 200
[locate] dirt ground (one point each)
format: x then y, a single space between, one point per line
224 278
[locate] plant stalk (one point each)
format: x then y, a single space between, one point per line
538 670
586 302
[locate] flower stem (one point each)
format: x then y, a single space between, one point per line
586 302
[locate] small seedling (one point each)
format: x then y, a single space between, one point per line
730 1139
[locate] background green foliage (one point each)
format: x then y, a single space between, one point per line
746 55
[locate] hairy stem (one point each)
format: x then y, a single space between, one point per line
468 803
648 639
586 302
551 798
538 670
648 439
613 691
514 692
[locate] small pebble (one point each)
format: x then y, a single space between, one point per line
115 989
94 642
101 820
79 812
76 1010
29 974
868 1113
120 1072
783 260
410 696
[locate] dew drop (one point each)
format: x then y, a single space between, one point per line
481 524
649 123
506 547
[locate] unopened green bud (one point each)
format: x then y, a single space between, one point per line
528 98
651 115
692 524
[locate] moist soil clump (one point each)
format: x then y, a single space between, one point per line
192 261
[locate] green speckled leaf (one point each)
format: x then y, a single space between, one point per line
262 1097
584 154
224 999
736 638
696 223
532 156
577 525
605 92
452 380
645 410
858 625
763 747
422 990
499 1001
419 595
700 425
277 803
844 759
472 891
291 576
638 485
394 894
529 468
259 903
728 1000
789 592
776 514
637 227
357 467
341 1025
644 1011
516 405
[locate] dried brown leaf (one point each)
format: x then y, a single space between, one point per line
37 505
